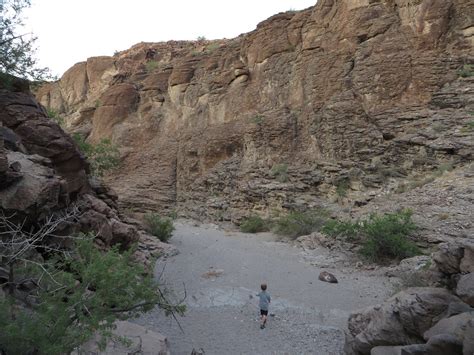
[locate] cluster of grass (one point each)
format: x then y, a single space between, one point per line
212 47
292 225
54 115
102 157
469 127
160 227
280 172
466 71
151 65
342 187
296 224
419 182
383 236
255 224
257 119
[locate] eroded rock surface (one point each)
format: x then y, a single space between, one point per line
364 95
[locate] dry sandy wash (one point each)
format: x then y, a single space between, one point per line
222 271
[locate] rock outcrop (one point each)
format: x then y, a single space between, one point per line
43 174
345 100
423 320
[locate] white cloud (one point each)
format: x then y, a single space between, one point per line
70 31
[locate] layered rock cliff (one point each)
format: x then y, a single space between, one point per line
347 100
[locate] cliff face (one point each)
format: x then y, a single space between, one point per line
349 98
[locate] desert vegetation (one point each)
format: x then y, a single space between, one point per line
160 227
383 237
102 157
60 290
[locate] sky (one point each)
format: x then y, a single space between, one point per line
70 31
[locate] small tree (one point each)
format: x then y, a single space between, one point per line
17 49
58 299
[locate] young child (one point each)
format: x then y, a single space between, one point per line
263 304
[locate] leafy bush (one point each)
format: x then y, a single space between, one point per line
335 228
79 293
159 227
280 172
254 224
296 224
387 236
102 157
383 237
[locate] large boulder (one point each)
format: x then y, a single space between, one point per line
465 288
39 189
467 262
448 258
455 326
21 113
401 320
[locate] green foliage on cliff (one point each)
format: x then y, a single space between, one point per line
102 157
466 71
280 172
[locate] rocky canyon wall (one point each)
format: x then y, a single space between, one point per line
359 95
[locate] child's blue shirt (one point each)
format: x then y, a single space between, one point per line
264 300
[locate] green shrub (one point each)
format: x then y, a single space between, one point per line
386 237
383 237
257 119
280 172
162 228
296 224
102 157
466 71
151 65
254 224
342 187
80 292
335 228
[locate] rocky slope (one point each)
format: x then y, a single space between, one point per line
347 101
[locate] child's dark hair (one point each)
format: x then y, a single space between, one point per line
263 287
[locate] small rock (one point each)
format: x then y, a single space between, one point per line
328 277
213 273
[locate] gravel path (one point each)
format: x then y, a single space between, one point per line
222 272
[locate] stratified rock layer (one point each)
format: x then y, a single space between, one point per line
357 95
